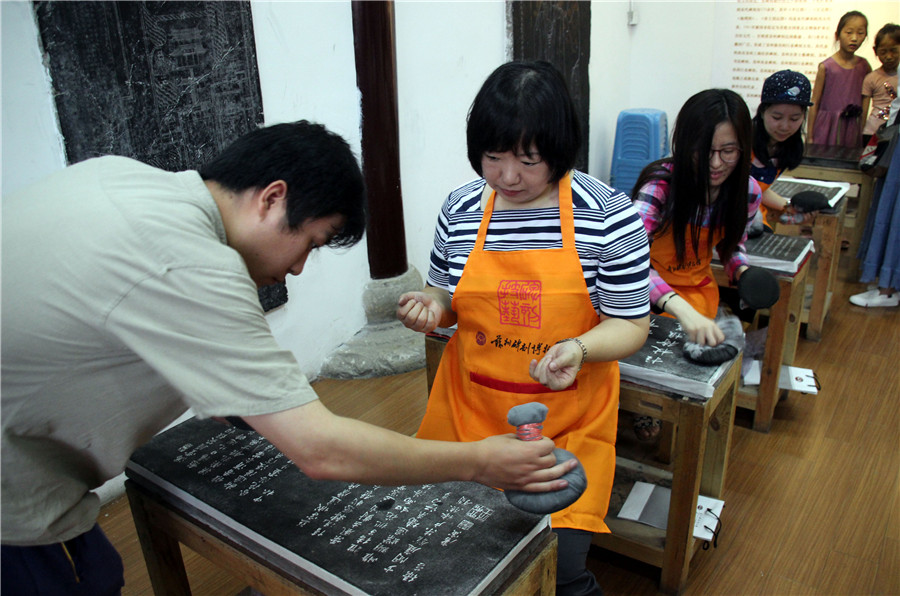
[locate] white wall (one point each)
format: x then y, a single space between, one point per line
445 49
307 71
31 144
657 63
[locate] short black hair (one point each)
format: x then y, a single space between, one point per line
520 104
322 174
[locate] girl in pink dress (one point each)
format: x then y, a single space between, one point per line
836 115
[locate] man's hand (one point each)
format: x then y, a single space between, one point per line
511 464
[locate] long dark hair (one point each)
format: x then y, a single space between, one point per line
688 178
788 152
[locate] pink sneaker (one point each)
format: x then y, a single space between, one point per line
875 298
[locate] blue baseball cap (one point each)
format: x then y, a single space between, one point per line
786 86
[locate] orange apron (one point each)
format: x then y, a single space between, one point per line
763 186
692 280
512 307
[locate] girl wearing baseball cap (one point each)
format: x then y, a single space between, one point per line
777 135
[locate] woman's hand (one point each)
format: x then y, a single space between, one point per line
804 219
699 329
419 311
559 366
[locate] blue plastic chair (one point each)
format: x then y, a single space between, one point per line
642 136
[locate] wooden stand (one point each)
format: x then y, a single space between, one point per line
702 440
781 344
162 524
840 164
827 232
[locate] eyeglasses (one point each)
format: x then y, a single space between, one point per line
728 155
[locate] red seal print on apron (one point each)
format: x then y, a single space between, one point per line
520 302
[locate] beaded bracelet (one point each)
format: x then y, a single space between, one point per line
580 345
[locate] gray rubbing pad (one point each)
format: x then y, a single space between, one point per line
549 502
809 200
728 349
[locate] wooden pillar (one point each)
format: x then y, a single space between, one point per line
560 33
373 34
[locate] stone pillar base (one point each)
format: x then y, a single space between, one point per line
384 346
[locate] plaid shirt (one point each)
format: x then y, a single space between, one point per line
649 202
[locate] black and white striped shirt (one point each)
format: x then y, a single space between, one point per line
609 237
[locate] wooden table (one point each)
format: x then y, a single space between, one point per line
699 460
233 498
827 232
781 343
840 164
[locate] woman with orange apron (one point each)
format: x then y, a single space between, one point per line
518 285
693 279
512 306
704 184
484 370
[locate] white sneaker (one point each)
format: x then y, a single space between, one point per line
875 298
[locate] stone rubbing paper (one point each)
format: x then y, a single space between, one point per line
430 539
662 364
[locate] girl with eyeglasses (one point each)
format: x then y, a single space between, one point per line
700 198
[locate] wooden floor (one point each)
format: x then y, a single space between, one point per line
812 507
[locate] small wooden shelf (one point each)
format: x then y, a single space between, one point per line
702 439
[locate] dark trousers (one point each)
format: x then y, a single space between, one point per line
87 565
572 575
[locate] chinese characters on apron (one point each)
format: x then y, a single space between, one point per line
512 306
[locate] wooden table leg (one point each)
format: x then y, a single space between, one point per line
690 440
770 366
829 254
718 442
161 551
781 345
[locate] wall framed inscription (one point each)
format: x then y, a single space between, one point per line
167 83
451 538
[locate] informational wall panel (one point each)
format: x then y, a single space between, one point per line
772 35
